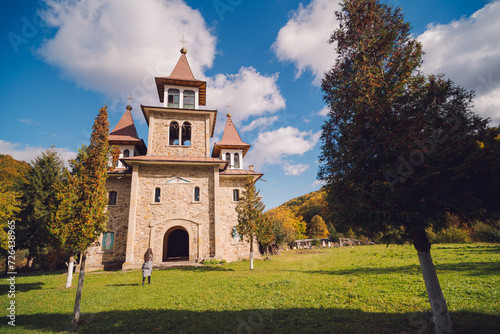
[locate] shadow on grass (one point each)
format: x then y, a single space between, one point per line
20 287
198 269
255 321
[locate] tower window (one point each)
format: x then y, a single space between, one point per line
188 99
196 194
126 153
173 133
236 160
112 198
173 98
228 158
186 134
236 195
236 235
157 195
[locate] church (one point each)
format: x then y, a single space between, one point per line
174 195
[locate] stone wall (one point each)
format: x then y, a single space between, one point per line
176 208
118 223
159 130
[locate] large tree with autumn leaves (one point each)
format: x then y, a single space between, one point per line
81 217
398 146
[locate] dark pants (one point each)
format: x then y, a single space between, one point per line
144 278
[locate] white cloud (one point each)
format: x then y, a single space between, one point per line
271 146
468 52
248 92
116 47
304 39
324 111
260 123
29 121
28 153
318 183
294 169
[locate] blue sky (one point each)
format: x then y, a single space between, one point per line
62 60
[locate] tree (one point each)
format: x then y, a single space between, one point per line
317 228
397 146
251 223
39 198
10 205
293 227
81 217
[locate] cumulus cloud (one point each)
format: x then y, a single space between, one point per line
294 169
260 123
248 93
324 111
271 147
303 40
28 153
318 183
116 47
468 52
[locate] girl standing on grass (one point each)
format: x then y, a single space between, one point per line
147 267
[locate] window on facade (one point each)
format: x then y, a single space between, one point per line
173 137
126 153
236 235
228 158
236 160
236 195
196 194
188 99
112 198
157 195
186 134
173 98
108 239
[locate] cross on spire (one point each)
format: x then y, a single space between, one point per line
183 41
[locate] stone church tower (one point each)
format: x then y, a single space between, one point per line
174 196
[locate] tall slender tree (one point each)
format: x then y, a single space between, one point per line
396 144
251 223
81 215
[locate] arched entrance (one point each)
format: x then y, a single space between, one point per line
176 245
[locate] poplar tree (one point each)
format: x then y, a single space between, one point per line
396 144
251 223
81 215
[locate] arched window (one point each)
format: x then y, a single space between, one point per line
157 195
173 98
236 195
236 160
228 158
126 153
196 194
186 134
236 235
188 99
173 133
112 198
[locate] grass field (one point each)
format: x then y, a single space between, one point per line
367 289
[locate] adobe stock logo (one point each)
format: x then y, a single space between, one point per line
29 29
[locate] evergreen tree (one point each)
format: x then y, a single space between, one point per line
251 223
39 199
317 228
81 215
396 145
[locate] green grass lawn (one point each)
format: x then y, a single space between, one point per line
367 289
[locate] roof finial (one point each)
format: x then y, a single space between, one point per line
184 42
228 109
129 107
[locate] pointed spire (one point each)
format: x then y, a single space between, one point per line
182 70
230 139
125 128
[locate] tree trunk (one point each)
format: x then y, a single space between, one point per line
76 311
71 262
440 316
251 253
29 263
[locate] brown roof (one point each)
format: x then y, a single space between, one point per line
238 172
125 133
182 76
230 139
175 159
120 171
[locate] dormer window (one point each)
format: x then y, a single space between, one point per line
236 160
173 98
173 133
186 134
188 99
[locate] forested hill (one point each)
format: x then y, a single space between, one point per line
309 205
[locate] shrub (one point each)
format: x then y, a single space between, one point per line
451 234
485 233
315 242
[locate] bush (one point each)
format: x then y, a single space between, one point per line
485 233
212 262
451 234
315 242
